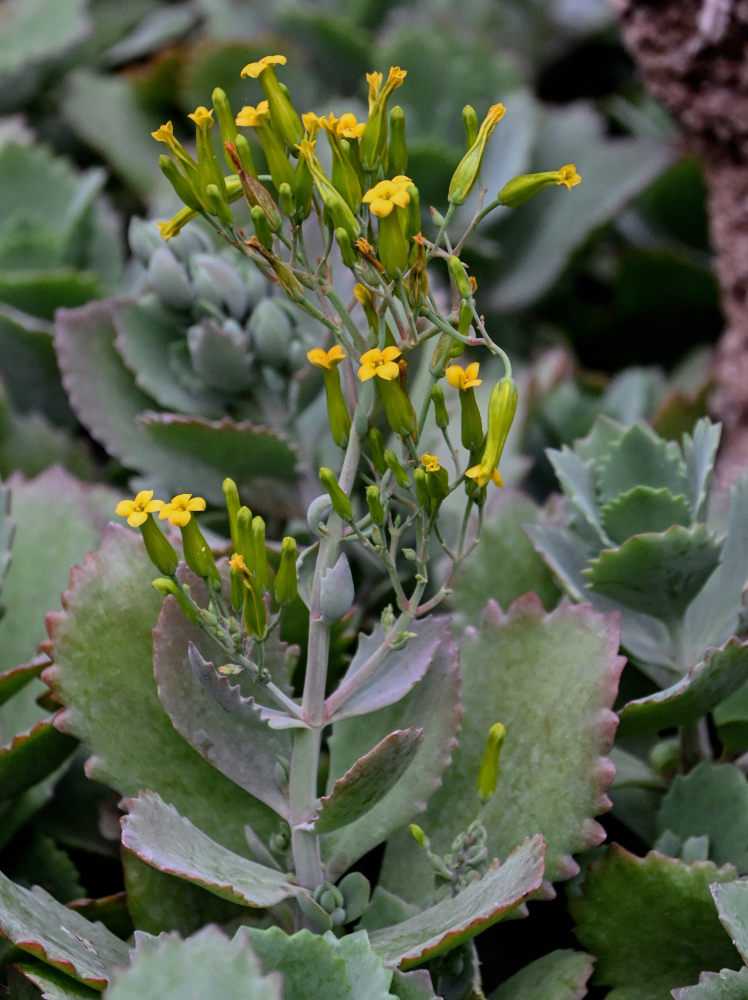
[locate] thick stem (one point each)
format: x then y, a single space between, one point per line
305 757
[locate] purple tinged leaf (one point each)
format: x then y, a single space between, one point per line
226 730
158 835
560 975
369 780
724 985
389 674
732 906
455 919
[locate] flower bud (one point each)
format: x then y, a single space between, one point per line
225 118
418 835
502 406
217 205
397 407
397 150
459 275
286 579
469 166
165 586
341 502
470 121
489 768
243 543
197 553
376 450
285 197
401 476
347 252
336 591
373 141
258 554
244 155
420 478
182 187
374 503
233 504
303 185
262 227
440 407
521 189
160 550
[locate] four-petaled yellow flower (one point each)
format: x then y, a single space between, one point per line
254 69
430 462
463 378
179 510
136 511
202 117
165 133
385 195
252 116
381 363
326 359
569 176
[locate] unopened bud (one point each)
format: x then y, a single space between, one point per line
341 502
397 150
286 579
160 550
489 768
459 274
401 476
374 503
470 121
440 407
165 586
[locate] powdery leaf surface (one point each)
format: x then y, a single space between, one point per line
34 921
724 985
550 679
651 923
560 975
53 985
732 905
101 644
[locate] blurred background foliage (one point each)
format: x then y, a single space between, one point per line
615 276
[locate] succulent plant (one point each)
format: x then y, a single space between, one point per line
200 364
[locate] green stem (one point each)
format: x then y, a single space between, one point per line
306 749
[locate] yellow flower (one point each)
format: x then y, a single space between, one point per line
254 69
236 562
463 378
568 176
179 510
165 133
326 359
136 511
385 195
481 476
202 117
381 363
253 116
345 127
430 462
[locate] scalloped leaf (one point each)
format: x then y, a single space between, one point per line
455 919
732 905
34 921
577 480
205 965
53 985
644 510
724 985
640 458
731 720
433 705
32 756
229 734
396 671
651 923
158 835
39 29
560 975
11 681
706 684
103 673
712 801
699 453
656 574
369 780
551 679
714 615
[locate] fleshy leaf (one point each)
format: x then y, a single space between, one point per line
699 452
656 574
714 614
731 720
732 905
38 30
369 780
710 800
53 984
432 705
503 543
315 966
398 670
18 677
111 606
230 735
550 679
724 985
7 530
158 835
455 919
577 480
705 685
560 975
205 965
651 923
640 457
34 921
32 756
644 510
